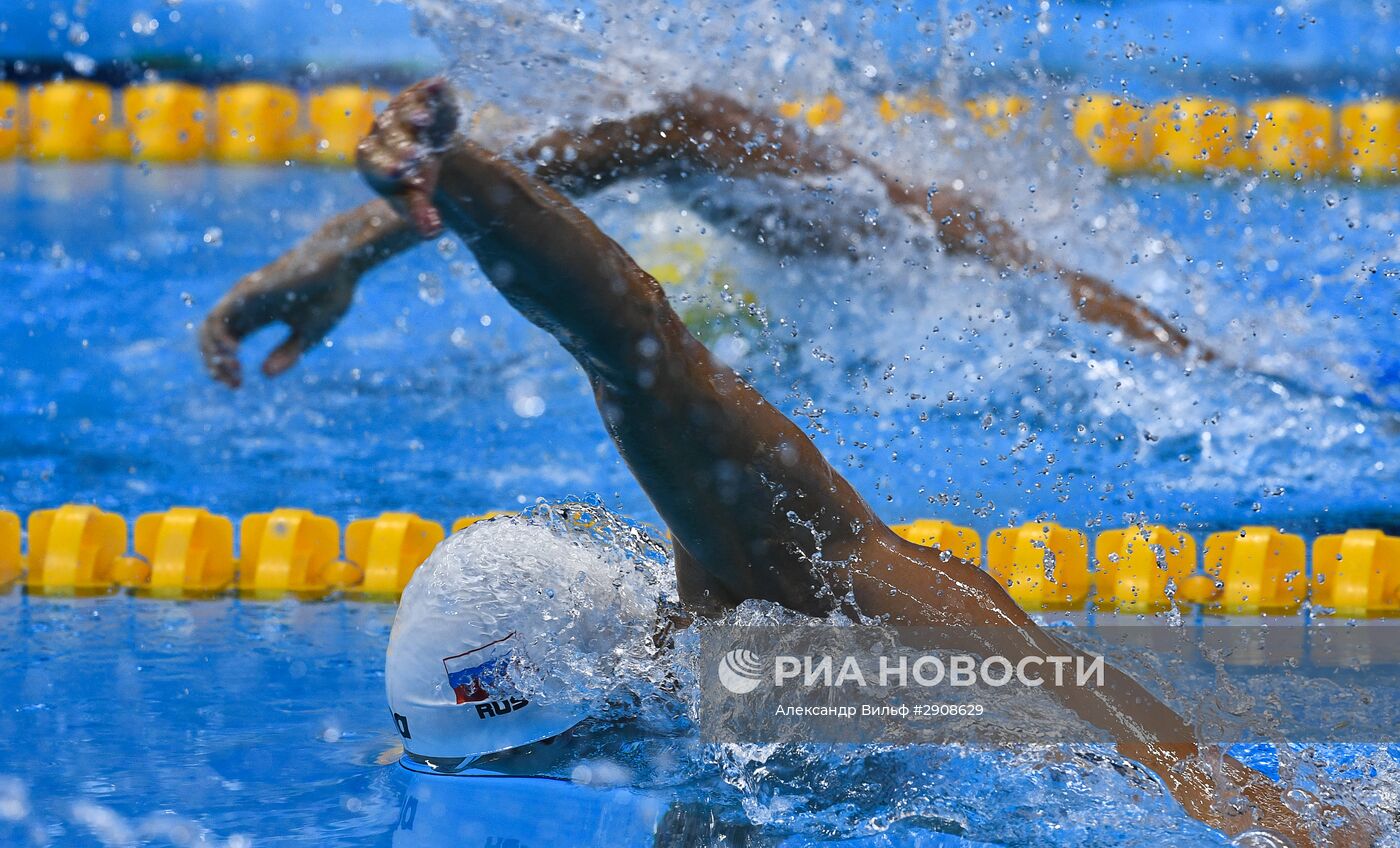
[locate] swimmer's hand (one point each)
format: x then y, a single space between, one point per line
401 157
1234 798
1098 301
308 294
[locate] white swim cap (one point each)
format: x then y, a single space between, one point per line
510 631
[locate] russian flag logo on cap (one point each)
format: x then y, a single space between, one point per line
472 674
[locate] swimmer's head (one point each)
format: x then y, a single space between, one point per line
516 629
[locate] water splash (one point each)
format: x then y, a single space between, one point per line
984 375
962 341
582 588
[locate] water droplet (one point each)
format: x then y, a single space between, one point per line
144 24
1260 839
430 289
1301 802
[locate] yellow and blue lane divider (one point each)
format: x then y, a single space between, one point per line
263 122
173 122
78 549
1289 136
1186 134
188 552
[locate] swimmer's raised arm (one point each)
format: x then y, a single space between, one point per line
723 467
756 510
700 131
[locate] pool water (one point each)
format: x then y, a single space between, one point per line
139 722
940 390
136 722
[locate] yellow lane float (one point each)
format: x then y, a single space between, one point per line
1290 135
256 122
1370 139
388 549
1356 575
1193 135
187 551
288 551
71 120
339 117
167 121
1133 566
1111 130
1043 565
1255 571
73 550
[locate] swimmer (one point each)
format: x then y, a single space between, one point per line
311 287
755 510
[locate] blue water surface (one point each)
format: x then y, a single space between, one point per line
265 724
434 396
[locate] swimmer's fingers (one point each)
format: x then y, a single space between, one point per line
219 347
310 321
418 200
286 354
402 172
1098 301
248 306
400 156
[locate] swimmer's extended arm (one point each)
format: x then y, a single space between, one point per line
309 288
704 132
965 227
